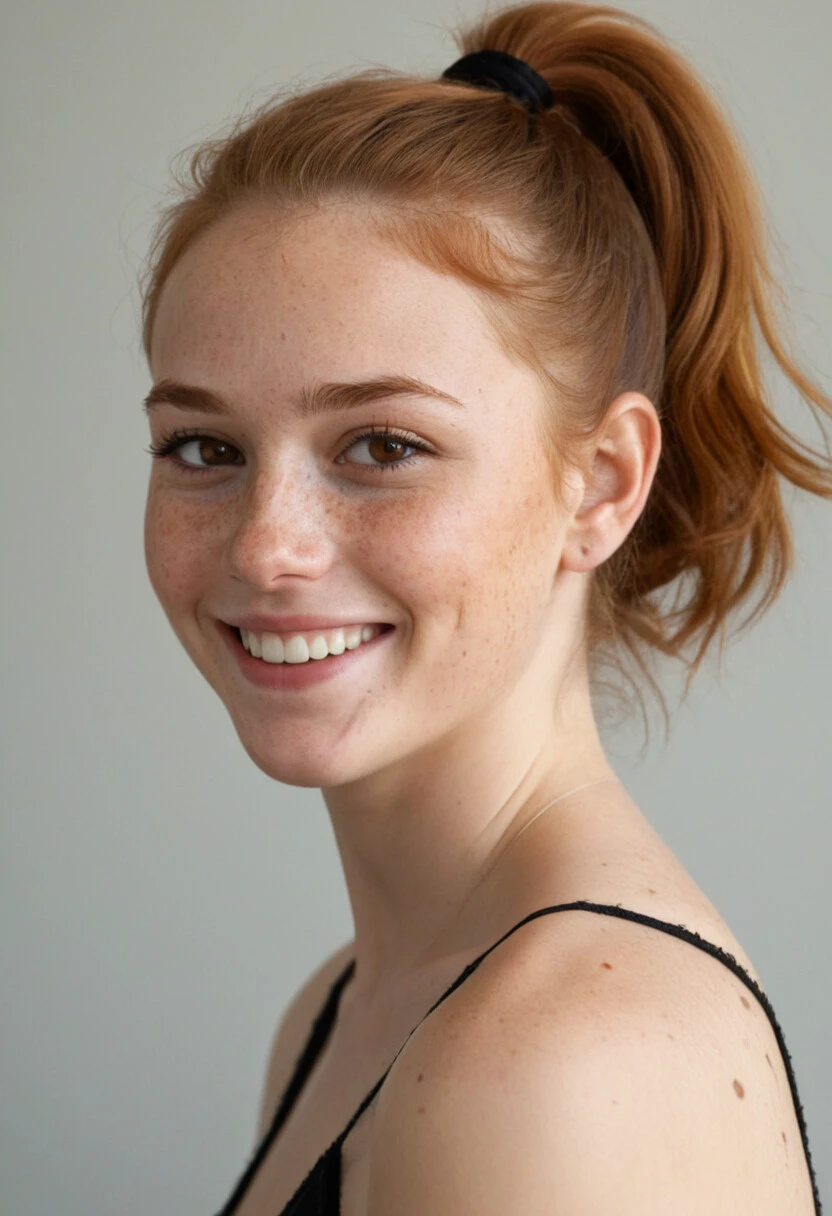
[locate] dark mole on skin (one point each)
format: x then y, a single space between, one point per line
738 1090
607 965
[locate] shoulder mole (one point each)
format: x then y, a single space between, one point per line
738 1089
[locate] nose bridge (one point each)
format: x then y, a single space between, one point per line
282 523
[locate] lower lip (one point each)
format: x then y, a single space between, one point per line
298 675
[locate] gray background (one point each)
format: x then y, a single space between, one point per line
161 897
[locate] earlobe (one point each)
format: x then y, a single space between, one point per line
582 556
624 463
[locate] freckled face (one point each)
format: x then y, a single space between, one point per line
457 548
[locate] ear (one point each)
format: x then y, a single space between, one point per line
624 456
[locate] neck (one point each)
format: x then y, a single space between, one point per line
431 848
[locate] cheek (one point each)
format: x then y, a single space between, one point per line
177 546
475 572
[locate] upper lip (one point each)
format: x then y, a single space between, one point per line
257 623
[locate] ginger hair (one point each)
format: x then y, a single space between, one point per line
617 241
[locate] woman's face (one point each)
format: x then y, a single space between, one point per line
280 511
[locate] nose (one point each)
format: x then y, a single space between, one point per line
281 530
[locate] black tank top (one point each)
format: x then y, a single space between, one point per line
319 1193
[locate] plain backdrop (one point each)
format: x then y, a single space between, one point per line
161 897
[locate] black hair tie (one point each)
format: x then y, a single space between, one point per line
499 70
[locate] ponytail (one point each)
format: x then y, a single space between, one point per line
618 238
715 509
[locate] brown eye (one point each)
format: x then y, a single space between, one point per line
386 449
222 449
170 446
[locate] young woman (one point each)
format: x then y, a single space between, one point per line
451 378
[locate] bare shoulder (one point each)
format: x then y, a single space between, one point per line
608 1067
293 1029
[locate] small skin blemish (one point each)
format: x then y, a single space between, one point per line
745 1002
738 1089
419 1078
650 889
607 965
768 1061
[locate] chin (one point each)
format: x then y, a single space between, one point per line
310 769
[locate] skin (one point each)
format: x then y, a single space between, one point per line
436 754
431 762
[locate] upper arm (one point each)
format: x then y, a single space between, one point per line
292 1031
593 1108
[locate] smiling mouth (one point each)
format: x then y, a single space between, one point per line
300 650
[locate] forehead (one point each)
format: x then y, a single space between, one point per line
255 297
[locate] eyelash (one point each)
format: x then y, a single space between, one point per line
169 444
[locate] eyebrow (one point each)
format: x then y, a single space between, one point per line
310 402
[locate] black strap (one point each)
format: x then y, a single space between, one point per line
315 1041
323 1024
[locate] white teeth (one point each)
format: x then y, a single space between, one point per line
318 648
336 643
269 646
300 649
295 651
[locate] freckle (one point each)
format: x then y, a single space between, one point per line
745 1002
783 1137
420 1076
768 1061
607 965
738 1090
420 1110
650 889
672 1037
